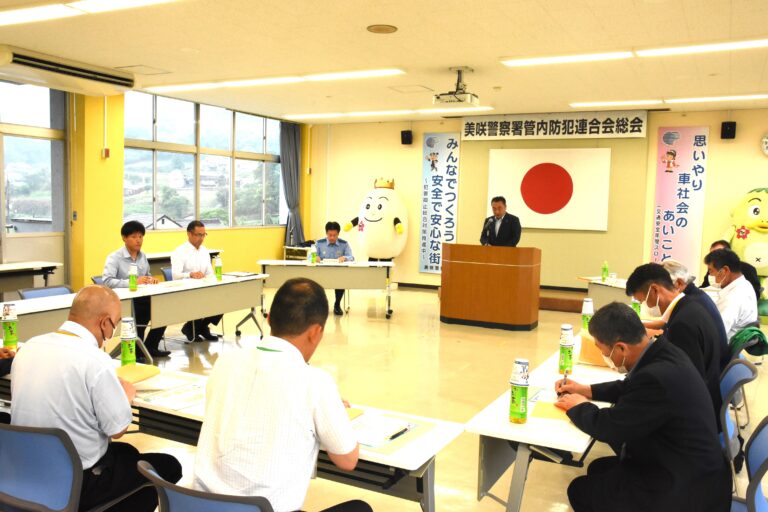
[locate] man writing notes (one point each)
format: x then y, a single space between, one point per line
662 426
332 247
65 380
193 261
501 228
116 271
268 412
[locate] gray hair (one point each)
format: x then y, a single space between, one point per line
678 271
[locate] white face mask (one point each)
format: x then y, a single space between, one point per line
654 311
621 368
715 283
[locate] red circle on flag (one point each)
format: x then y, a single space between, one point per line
546 188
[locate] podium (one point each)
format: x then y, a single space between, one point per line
488 286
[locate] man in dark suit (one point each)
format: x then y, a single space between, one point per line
688 325
6 360
501 228
662 426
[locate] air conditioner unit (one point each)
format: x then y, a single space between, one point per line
28 67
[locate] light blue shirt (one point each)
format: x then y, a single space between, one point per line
332 251
118 266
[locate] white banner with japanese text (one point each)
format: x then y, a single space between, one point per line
563 125
678 217
439 198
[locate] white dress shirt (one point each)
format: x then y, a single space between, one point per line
186 259
267 414
63 380
737 305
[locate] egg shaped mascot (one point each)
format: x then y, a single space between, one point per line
382 222
748 236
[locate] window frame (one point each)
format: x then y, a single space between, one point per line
197 151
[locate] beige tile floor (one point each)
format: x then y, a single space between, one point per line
416 364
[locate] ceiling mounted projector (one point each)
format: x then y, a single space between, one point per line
460 94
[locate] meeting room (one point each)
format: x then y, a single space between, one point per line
383 256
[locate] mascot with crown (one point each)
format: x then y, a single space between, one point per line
382 222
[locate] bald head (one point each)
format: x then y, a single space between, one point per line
97 308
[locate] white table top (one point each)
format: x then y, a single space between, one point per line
614 282
493 421
166 255
303 263
183 394
27 265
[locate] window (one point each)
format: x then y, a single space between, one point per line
31 105
232 178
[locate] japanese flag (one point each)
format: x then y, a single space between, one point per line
553 188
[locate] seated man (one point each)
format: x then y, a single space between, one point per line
662 425
688 326
115 275
684 282
193 261
268 412
748 271
332 247
736 301
64 380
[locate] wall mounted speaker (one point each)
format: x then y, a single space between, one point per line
728 130
406 137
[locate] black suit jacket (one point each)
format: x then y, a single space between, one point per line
509 231
664 419
5 366
691 329
708 304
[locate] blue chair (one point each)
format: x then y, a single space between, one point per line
756 449
40 470
48 291
754 501
97 280
174 498
738 373
167 273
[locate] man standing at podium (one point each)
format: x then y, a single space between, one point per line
501 228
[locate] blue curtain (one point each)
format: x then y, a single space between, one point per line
290 156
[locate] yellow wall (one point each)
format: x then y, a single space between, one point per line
346 158
96 194
735 166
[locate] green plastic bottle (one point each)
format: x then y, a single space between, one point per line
566 349
10 327
217 268
133 278
636 306
127 341
604 272
518 396
587 310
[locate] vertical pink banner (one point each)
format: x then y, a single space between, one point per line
678 217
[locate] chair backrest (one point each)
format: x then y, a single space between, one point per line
755 499
174 498
48 291
738 373
167 273
97 280
756 449
40 469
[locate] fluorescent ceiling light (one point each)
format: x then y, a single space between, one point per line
628 103
95 6
278 80
404 112
566 59
33 14
746 97
703 48
351 75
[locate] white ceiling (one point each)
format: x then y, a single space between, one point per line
211 40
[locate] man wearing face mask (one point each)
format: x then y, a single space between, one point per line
736 301
688 326
662 424
65 380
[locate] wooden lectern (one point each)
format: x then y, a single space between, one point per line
490 286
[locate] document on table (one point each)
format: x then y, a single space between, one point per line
374 430
172 391
240 274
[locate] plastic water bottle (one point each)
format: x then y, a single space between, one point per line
10 327
566 349
518 396
217 268
587 310
604 272
314 253
127 341
133 277
636 306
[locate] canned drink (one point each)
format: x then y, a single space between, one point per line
133 277
566 349
587 310
127 341
10 327
636 306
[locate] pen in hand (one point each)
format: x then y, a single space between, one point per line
565 381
